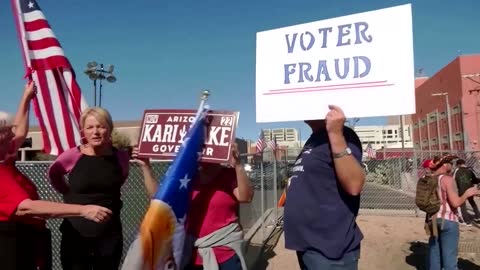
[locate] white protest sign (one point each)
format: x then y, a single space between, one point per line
362 63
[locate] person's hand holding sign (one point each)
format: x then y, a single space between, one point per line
140 161
235 156
335 120
346 160
243 190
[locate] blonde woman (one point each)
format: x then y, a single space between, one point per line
96 172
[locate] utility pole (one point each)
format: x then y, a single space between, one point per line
403 135
449 120
475 90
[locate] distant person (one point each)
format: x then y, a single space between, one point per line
465 179
96 173
323 198
24 239
443 249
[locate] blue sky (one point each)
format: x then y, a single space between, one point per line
166 51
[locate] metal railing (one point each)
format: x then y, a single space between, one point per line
267 176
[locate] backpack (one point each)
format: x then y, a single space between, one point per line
427 198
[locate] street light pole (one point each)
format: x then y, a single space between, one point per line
475 90
449 119
95 93
447 103
95 73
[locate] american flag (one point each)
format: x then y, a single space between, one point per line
369 150
59 100
161 239
261 142
273 144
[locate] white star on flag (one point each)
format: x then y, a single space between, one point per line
184 181
31 5
182 219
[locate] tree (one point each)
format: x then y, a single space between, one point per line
120 141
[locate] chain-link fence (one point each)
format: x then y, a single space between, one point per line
267 178
392 178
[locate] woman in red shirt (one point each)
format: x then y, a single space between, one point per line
22 213
216 194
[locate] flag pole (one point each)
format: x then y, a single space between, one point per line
20 30
203 100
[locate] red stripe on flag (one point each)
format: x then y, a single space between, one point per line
63 95
49 112
76 97
43 43
36 25
50 63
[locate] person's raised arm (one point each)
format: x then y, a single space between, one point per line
348 168
148 178
21 120
243 190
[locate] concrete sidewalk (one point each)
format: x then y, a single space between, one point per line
275 256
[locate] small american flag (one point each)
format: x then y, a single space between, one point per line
261 142
59 100
369 150
273 144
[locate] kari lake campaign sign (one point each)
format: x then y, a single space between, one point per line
163 131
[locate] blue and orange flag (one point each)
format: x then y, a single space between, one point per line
162 233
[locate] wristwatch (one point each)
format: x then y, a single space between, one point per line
345 152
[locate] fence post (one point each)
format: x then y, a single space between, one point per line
275 186
262 197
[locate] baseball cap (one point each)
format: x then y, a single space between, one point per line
443 160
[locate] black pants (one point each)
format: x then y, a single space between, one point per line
90 253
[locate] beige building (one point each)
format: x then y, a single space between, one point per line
388 136
283 135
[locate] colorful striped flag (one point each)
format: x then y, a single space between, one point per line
162 233
59 100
